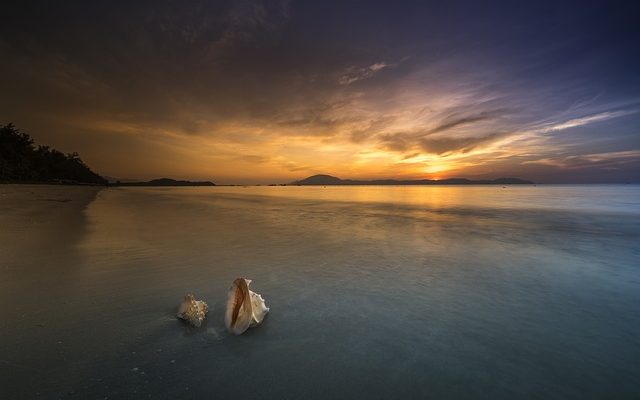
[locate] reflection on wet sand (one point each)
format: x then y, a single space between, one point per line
40 260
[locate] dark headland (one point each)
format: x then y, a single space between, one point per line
22 161
324 180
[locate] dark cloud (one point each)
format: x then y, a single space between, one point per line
372 127
444 138
396 141
403 142
443 145
456 119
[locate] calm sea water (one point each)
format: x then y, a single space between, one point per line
375 292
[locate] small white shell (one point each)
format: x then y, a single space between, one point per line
192 310
244 308
258 307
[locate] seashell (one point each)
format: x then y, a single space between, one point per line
245 308
192 310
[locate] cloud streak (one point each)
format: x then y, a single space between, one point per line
586 120
357 74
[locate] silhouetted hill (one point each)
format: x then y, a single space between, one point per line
165 182
332 180
320 180
22 161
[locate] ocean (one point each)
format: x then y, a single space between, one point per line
376 292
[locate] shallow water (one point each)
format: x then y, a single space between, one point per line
458 292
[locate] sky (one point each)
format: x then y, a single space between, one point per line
274 91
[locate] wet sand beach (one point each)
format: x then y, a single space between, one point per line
376 292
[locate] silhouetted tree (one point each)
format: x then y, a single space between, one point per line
21 161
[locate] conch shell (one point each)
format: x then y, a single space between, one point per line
245 308
192 310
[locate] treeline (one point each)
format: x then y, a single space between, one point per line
22 161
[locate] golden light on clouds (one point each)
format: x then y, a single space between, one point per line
233 151
255 93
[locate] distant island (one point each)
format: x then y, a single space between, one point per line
325 180
164 182
21 161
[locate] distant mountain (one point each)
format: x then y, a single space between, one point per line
323 180
21 161
165 182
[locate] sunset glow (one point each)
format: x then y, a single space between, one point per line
257 92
